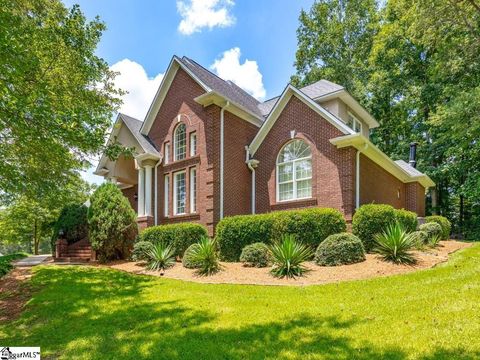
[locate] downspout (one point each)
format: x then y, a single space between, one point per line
357 176
227 104
156 191
252 164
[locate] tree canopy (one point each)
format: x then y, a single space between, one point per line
415 65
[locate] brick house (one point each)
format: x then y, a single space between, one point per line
207 149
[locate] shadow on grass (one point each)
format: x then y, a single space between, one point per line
85 313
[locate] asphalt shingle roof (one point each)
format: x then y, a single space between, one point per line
134 125
408 168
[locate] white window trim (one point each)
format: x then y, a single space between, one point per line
193 149
175 210
193 190
355 120
175 158
166 195
294 175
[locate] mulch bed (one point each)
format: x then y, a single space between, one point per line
235 273
15 291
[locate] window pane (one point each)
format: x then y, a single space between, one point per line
166 194
285 172
193 190
180 193
304 189
166 153
285 191
295 149
303 169
180 142
193 144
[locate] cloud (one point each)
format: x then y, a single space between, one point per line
198 14
245 75
141 89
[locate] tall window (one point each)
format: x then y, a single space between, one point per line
166 195
193 190
179 193
193 144
354 123
180 142
166 153
294 171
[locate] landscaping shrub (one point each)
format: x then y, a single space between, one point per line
370 220
205 256
188 260
6 262
160 256
288 256
181 236
340 249
73 222
421 238
112 223
311 225
395 244
432 229
255 255
140 250
408 219
443 222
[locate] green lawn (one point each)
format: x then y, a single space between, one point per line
91 313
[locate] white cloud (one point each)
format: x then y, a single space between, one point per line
245 75
140 88
198 14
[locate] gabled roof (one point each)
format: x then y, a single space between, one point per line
320 88
400 169
277 109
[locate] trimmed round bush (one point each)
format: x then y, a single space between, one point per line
311 226
181 236
255 255
112 223
73 222
370 220
140 250
188 261
432 229
421 237
408 219
340 249
445 224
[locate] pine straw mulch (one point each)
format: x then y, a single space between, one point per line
15 291
235 273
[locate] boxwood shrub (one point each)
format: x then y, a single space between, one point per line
340 249
188 260
140 249
421 238
372 219
408 219
432 229
181 235
310 226
255 255
443 222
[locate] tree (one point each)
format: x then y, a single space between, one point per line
334 40
112 223
56 96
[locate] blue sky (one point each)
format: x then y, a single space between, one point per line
142 36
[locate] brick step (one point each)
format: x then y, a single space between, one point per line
78 254
72 259
80 250
83 247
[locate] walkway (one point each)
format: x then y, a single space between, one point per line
32 260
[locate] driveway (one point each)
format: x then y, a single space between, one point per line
32 260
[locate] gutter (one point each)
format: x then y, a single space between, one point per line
222 135
357 175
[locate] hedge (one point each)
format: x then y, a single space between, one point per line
311 226
443 222
181 235
73 222
6 262
340 249
408 219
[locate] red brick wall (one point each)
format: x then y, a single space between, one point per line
415 198
379 186
130 195
333 169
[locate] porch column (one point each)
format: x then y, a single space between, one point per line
148 190
141 191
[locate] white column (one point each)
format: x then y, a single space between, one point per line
148 190
141 191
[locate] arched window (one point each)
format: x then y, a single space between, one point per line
180 142
294 171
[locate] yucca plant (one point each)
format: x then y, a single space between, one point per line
205 256
395 244
288 257
434 240
160 257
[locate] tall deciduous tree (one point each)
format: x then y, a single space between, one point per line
56 95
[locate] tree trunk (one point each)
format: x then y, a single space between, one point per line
35 238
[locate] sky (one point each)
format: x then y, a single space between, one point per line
251 43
